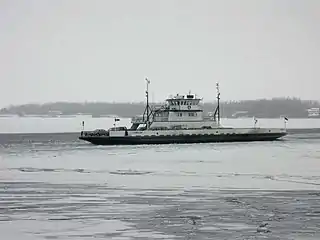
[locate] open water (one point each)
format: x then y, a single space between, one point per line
53 186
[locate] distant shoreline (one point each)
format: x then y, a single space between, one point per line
263 108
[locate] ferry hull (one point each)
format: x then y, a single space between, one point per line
136 140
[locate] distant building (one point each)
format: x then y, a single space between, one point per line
240 114
54 113
313 112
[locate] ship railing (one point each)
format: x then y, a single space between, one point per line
161 108
95 133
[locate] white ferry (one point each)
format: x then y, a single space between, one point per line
180 120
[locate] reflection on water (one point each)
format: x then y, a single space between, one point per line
68 189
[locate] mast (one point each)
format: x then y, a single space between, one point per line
147 96
218 100
217 111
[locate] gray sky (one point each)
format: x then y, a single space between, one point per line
91 50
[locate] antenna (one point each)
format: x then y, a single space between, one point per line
147 96
218 99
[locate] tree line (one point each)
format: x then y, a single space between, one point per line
262 108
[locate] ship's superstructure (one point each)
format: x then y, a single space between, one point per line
179 112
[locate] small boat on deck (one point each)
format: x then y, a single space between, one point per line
180 120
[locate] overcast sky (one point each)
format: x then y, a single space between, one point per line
91 50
